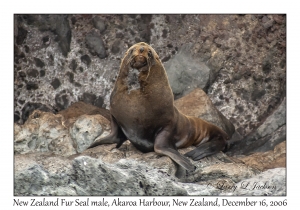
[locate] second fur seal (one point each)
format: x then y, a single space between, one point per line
143 112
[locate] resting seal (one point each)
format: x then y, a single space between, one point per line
143 111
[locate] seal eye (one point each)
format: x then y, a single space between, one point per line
150 54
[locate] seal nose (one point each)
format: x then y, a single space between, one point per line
142 49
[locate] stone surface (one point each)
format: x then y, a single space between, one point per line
106 170
30 107
271 182
198 104
142 174
95 44
267 160
80 108
85 130
43 132
186 73
270 133
245 55
99 24
48 132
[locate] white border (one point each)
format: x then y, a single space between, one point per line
8 8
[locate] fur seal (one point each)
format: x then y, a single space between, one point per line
143 112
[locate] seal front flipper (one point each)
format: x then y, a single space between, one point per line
208 148
116 136
163 146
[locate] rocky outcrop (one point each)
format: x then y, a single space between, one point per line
265 160
51 159
126 172
47 132
271 132
238 60
271 182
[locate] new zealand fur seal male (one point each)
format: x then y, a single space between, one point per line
143 112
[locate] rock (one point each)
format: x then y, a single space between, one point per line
16 116
268 24
28 108
275 121
235 50
88 98
270 133
85 130
271 182
58 24
86 59
126 171
185 73
95 45
22 34
32 86
42 175
198 104
47 132
55 83
99 24
43 132
71 76
62 100
42 73
99 101
202 190
89 176
267 160
47 162
80 108
215 63
73 65
66 133
39 62
64 33
115 48
236 172
33 73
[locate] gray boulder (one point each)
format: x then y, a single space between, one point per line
185 73
95 45
143 174
85 130
43 132
271 182
269 134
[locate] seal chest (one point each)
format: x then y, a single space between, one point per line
132 80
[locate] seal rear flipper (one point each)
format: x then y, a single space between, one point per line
116 136
208 148
163 146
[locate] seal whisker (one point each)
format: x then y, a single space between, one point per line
149 67
130 59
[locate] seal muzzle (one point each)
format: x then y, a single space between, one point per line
138 62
